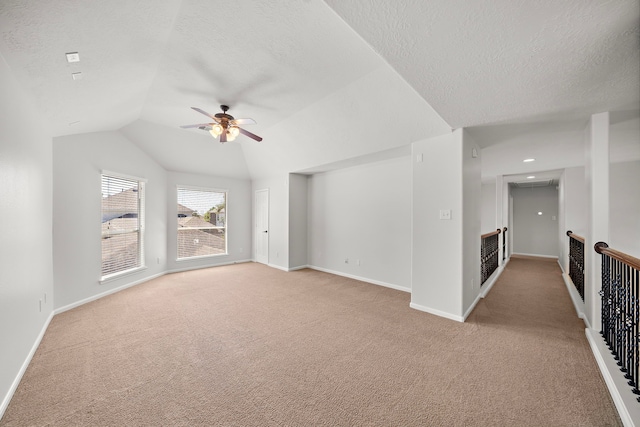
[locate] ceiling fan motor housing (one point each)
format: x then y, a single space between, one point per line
224 117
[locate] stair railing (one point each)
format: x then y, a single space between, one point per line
620 309
488 254
576 262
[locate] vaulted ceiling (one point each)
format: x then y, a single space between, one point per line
326 81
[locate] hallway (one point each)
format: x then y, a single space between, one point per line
544 343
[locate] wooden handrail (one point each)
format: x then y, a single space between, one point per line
575 236
484 236
603 248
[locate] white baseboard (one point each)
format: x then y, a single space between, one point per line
535 255
624 399
561 267
105 293
279 267
362 279
436 312
25 365
471 307
287 269
200 267
139 282
486 287
484 290
578 304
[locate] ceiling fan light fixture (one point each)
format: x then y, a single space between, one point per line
216 130
224 126
232 133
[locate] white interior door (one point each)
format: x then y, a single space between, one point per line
262 226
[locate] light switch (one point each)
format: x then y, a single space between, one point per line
445 213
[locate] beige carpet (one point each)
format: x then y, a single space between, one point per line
248 345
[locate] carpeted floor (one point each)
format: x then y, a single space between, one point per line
248 345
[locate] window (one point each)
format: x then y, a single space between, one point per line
122 225
202 222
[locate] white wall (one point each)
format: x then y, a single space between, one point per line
471 195
78 161
238 213
437 256
363 213
26 271
574 209
488 208
624 207
535 234
596 171
298 220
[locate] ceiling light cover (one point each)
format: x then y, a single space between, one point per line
216 130
531 176
529 160
232 133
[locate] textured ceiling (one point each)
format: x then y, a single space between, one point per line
494 61
380 74
154 59
120 44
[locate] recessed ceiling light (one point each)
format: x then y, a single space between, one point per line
76 76
529 160
531 176
73 57
539 213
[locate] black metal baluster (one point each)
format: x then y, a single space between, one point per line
620 311
636 331
504 243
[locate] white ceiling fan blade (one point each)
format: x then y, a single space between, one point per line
201 111
196 126
246 121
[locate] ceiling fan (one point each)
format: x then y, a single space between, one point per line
224 125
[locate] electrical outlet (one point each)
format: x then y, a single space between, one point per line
158 260
40 305
358 262
45 297
346 260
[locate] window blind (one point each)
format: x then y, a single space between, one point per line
202 222
122 224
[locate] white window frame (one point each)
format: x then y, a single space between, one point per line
141 226
226 222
